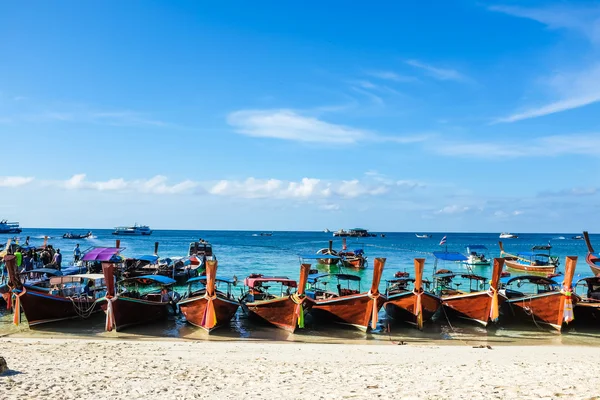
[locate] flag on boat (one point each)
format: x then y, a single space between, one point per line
443 241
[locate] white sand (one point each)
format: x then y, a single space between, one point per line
115 369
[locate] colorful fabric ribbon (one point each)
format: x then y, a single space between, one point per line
494 308
418 310
298 310
209 320
17 307
374 309
568 315
110 315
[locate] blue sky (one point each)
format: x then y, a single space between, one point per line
396 116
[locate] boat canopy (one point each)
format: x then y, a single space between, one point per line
541 280
476 247
474 277
318 256
103 254
532 254
595 280
163 280
313 278
47 271
449 256
444 275
151 258
202 278
284 280
59 280
542 247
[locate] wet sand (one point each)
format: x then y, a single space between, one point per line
84 368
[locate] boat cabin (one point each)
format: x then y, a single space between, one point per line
89 285
267 287
588 288
447 283
345 285
224 286
155 288
402 282
200 248
527 285
95 256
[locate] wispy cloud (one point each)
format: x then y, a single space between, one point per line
572 192
14 181
548 146
574 89
453 209
442 74
155 185
391 76
582 19
291 125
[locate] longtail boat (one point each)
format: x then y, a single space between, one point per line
285 309
331 255
473 303
72 296
541 300
587 308
352 258
538 260
208 307
348 306
415 306
141 300
592 259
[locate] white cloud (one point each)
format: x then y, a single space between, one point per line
391 76
548 146
155 185
574 90
438 73
290 125
585 20
330 207
453 209
307 188
14 181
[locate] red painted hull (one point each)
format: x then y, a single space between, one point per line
539 269
590 259
280 312
354 310
129 312
194 308
401 306
41 308
545 309
471 306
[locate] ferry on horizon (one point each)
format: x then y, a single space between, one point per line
9 227
135 230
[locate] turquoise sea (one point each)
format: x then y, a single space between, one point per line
243 252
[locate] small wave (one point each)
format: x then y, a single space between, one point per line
559 238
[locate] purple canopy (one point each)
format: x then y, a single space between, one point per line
101 254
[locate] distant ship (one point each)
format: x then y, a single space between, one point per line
424 236
505 235
9 227
135 230
327 230
356 232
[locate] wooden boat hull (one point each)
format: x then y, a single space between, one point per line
354 263
401 306
328 261
471 306
587 314
129 312
280 312
539 269
354 310
41 308
546 309
591 263
194 308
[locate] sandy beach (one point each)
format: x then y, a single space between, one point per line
87 369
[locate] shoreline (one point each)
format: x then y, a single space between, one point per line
75 368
